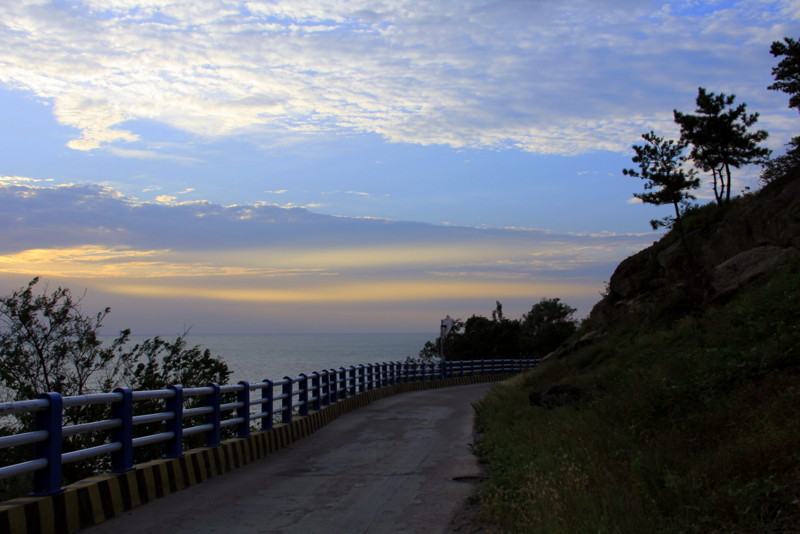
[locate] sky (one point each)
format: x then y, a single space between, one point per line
362 166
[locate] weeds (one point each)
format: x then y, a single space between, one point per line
695 428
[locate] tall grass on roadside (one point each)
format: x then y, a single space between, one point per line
695 427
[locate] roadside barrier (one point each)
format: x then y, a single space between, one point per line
286 410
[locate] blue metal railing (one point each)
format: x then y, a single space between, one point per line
284 398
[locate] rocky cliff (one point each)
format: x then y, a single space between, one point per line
725 248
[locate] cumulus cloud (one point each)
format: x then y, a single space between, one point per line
549 77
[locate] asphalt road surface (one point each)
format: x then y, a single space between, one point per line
400 464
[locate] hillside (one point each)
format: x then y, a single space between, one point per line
679 409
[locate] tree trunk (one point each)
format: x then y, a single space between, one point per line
728 192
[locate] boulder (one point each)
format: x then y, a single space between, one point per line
730 275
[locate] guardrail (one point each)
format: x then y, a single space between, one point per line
281 399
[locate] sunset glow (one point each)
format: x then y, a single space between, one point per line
311 165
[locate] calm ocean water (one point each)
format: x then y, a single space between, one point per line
255 357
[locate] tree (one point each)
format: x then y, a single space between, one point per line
784 167
720 138
787 72
483 338
660 165
48 345
432 350
787 79
543 329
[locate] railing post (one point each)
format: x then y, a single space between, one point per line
361 378
175 425
341 383
302 388
267 405
47 481
122 459
352 379
333 386
370 377
325 377
214 435
316 388
286 401
243 397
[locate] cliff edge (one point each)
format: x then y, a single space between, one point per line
726 247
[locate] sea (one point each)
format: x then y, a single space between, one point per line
256 357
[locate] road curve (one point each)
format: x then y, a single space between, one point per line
396 465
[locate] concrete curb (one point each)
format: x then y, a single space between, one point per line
96 499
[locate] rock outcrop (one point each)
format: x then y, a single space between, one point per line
727 248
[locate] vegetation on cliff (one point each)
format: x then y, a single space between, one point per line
676 406
691 421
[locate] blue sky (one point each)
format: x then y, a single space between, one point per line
324 166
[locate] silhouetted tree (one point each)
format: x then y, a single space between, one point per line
787 79
720 139
660 165
543 329
787 72
47 344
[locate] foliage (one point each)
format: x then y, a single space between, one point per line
787 79
720 138
543 329
549 323
660 165
787 72
162 362
784 167
48 345
692 429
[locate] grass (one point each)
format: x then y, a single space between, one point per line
695 428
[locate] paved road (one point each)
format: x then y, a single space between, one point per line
384 468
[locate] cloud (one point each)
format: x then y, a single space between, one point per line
548 77
148 155
262 253
19 180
